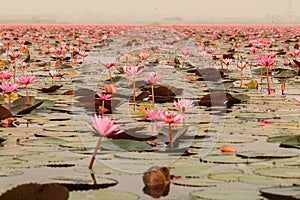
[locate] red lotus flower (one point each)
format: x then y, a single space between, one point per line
266 61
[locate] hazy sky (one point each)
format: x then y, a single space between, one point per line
186 9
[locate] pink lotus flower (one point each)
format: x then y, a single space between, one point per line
14 54
103 96
183 105
272 54
185 52
143 56
111 88
127 57
109 65
58 52
241 65
227 61
253 50
266 61
154 114
133 71
297 99
8 87
5 75
152 78
210 50
20 41
83 53
104 126
25 79
171 118
52 74
163 62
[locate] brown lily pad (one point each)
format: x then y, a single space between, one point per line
51 89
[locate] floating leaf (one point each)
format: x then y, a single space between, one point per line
264 155
125 145
226 194
195 182
104 195
262 180
280 172
79 183
290 192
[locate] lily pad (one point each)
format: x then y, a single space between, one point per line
125 145
79 183
103 195
10 173
262 180
264 155
226 194
196 182
290 192
279 172
229 159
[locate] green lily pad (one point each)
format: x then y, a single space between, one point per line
195 182
290 192
291 142
103 195
125 145
79 183
10 173
264 155
229 159
196 171
143 156
226 194
279 172
242 97
262 180
279 139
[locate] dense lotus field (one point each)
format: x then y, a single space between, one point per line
149 111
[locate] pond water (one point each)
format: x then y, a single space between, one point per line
54 143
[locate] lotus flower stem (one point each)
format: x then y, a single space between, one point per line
171 137
102 109
152 92
8 102
95 152
268 80
282 87
27 95
133 89
241 76
111 79
52 81
15 70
